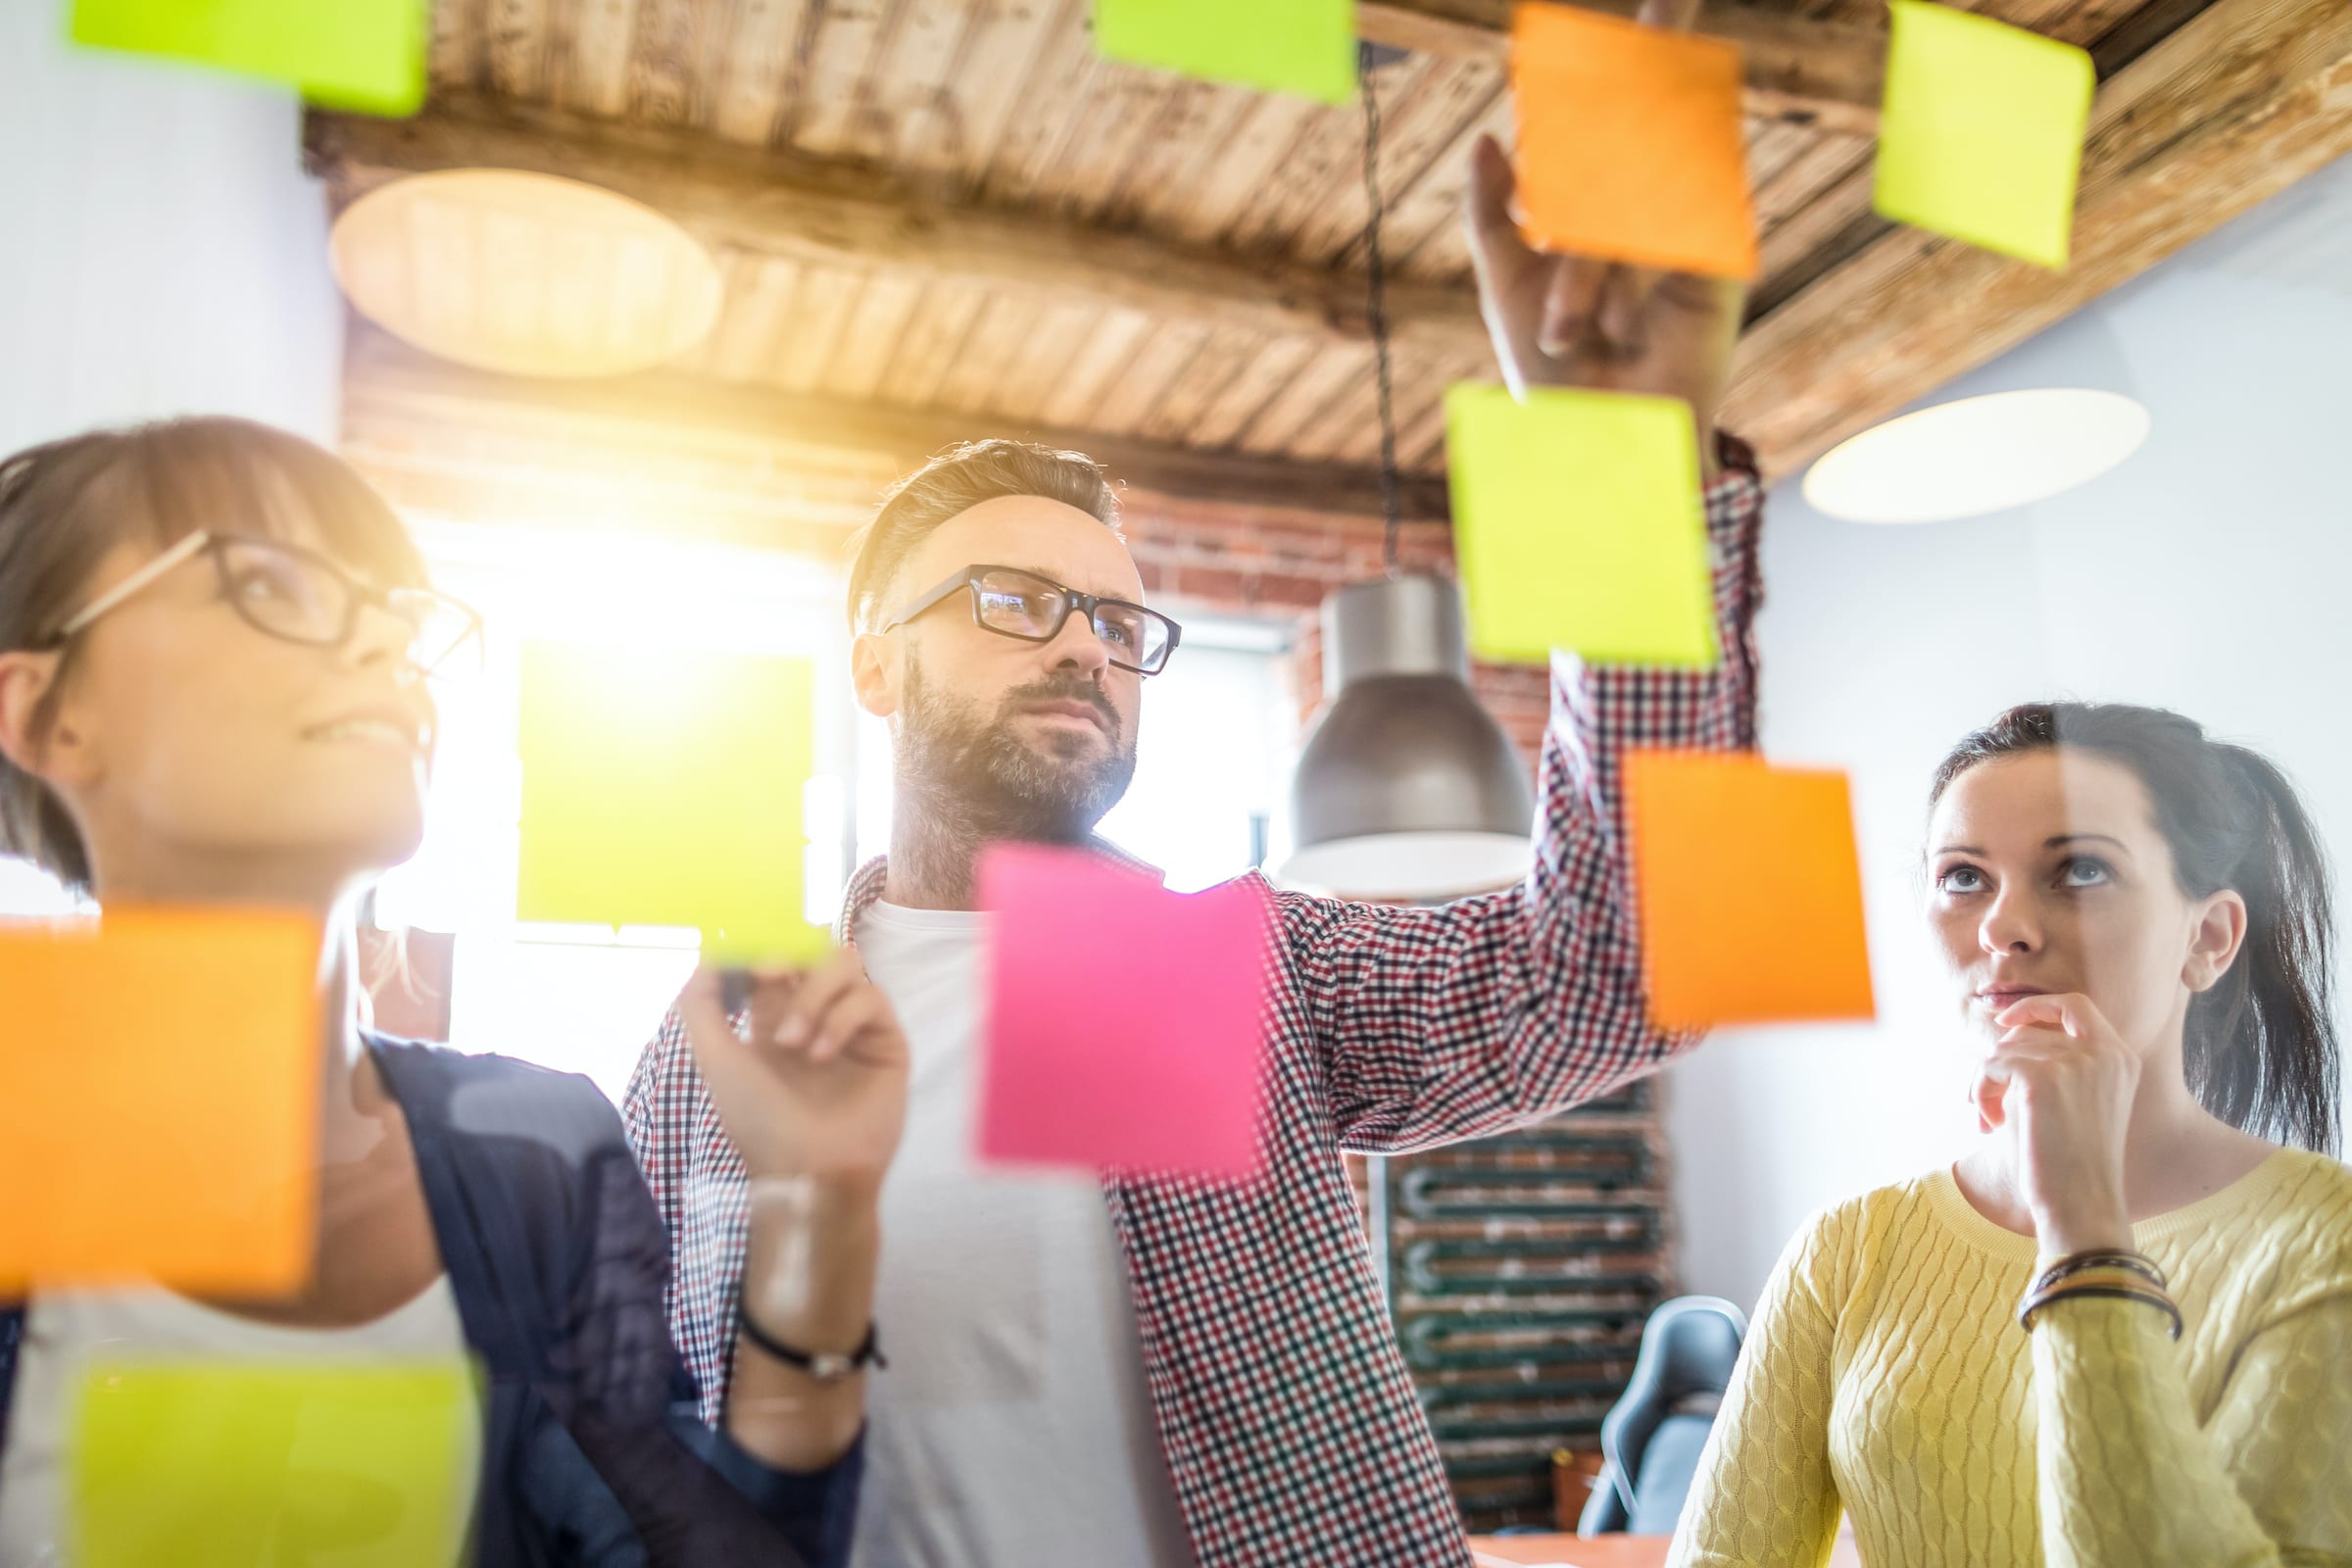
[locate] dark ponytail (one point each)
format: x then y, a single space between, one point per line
2261 1048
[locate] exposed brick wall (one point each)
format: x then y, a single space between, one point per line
1520 699
1282 565
1253 558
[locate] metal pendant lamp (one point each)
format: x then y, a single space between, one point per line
1407 788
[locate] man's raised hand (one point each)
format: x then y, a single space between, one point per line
1584 321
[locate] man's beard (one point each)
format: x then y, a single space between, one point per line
978 773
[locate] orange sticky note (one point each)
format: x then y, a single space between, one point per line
1631 142
1749 890
159 1102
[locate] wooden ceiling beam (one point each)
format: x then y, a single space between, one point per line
1798 71
782 204
381 372
2244 100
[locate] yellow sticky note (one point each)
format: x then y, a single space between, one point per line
365 55
1578 523
215 1465
159 1102
1305 47
1749 890
1981 132
665 789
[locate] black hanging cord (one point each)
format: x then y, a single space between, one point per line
1376 307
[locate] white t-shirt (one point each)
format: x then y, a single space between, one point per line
64 1330
1011 1427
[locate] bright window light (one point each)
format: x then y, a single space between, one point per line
1977 455
1218 728
1212 761
29 892
586 999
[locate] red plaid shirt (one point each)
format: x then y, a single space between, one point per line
1285 1411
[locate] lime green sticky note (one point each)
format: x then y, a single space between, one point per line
1578 523
210 1464
367 55
665 789
1305 47
1981 132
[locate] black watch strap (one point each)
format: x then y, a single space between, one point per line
826 1366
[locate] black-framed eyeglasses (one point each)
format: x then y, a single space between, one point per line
1012 602
300 596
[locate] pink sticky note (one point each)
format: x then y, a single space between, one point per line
1125 1022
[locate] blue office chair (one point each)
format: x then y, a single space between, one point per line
1651 1437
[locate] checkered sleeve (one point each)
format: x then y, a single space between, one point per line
701 1192
1441 1023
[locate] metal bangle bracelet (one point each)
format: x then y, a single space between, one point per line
2101 1257
2155 1299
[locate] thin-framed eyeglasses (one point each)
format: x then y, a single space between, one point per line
1014 602
300 596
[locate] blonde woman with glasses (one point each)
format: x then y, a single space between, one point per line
214 648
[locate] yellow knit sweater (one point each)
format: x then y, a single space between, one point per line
1885 1376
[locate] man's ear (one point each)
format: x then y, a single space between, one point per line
2214 942
875 671
27 679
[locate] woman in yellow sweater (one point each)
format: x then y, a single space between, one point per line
2117 1334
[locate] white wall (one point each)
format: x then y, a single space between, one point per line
161 251
2208 574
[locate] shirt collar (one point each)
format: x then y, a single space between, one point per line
865 886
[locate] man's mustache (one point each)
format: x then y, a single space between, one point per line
1075 689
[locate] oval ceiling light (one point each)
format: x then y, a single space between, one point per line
525 273
1977 455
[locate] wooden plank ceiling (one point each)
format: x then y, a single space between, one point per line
955 206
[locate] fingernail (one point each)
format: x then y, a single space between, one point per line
734 990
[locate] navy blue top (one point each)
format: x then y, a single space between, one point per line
591 1452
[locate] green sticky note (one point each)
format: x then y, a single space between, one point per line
1578 523
365 55
1981 132
214 1464
1305 47
665 789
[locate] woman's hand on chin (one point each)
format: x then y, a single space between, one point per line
2064 1081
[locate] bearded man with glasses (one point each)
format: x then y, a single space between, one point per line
1144 1371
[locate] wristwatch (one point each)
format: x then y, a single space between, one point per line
825 1366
